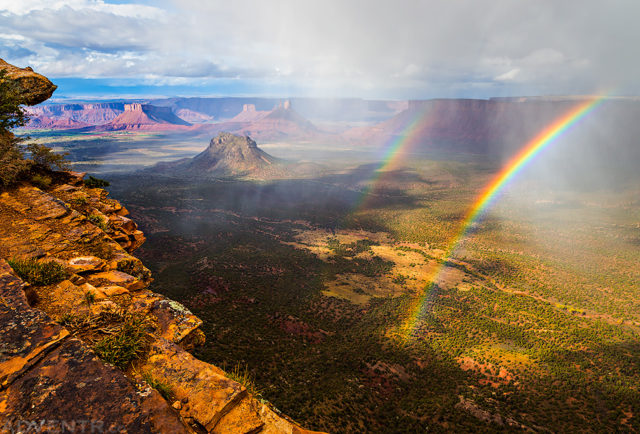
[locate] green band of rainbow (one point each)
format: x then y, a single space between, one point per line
491 192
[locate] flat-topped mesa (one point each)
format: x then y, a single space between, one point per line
226 140
33 88
133 107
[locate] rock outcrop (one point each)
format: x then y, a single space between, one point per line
86 346
138 116
231 154
281 122
226 155
44 366
33 87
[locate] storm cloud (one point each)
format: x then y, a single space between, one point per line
373 48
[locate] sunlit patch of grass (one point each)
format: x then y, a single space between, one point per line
117 336
163 388
128 341
242 375
38 273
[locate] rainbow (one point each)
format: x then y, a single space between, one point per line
489 195
393 152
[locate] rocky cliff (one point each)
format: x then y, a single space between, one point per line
138 116
229 154
65 116
33 87
85 346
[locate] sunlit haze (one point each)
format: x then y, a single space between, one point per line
372 49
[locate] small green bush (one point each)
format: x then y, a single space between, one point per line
41 181
400 279
79 201
96 182
90 297
38 273
128 342
44 157
242 376
99 221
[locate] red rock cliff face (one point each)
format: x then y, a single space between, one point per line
54 332
143 116
74 115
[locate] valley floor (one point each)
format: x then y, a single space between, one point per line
321 289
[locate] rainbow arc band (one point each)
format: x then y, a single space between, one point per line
489 194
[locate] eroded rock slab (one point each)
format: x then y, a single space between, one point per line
11 287
208 394
243 418
33 88
70 385
83 264
116 278
175 322
26 336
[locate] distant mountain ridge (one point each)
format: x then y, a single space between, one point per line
493 127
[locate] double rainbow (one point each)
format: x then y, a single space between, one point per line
489 194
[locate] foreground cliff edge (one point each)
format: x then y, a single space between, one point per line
87 303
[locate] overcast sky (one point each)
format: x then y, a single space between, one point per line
356 48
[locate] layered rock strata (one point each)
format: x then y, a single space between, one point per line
44 367
51 379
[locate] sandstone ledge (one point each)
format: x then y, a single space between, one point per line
44 368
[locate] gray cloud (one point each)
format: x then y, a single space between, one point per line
373 48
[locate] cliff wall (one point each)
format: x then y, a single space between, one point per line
85 346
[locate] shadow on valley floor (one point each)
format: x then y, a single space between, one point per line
225 248
322 201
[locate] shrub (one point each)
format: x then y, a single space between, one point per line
117 336
400 279
38 273
90 297
41 181
163 388
12 160
95 182
79 201
128 341
67 319
99 221
242 376
44 157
